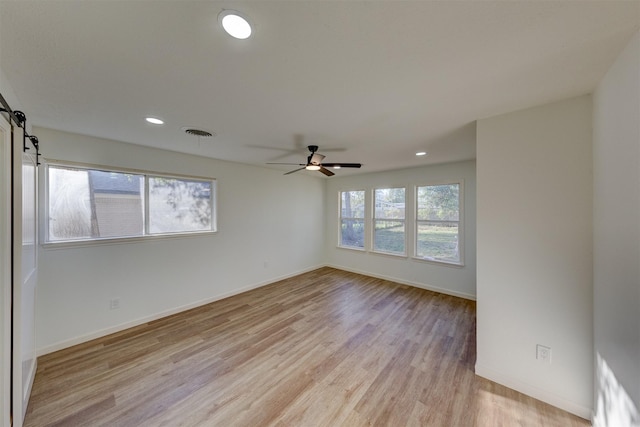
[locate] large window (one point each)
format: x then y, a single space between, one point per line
90 204
388 220
438 222
352 219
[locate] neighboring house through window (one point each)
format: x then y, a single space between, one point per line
85 203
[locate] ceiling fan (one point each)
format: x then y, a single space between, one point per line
314 163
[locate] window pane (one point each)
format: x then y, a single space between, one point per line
87 204
352 204
352 233
388 236
439 202
352 219
389 203
438 241
69 205
179 205
117 203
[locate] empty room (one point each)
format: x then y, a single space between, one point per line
320 213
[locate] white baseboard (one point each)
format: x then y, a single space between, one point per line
122 326
407 282
535 392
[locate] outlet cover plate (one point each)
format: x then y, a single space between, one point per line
543 353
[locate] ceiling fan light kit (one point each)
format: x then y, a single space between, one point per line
314 163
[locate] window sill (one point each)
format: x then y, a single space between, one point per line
122 240
351 248
440 262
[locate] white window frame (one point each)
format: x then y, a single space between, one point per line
122 239
364 220
374 219
460 221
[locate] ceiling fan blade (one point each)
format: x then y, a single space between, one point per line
295 170
326 171
298 141
294 164
333 150
266 147
342 165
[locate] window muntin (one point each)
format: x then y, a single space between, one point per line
352 208
389 220
85 204
438 225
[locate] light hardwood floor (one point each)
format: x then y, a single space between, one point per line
327 348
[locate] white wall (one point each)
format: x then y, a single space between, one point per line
459 281
616 140
9 94
534 171
263 216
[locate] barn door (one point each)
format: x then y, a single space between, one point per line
5 272
25 273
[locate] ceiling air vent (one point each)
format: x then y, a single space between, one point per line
200 133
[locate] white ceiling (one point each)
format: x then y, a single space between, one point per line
378 80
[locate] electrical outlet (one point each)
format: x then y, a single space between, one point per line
114 303
266 264
543 353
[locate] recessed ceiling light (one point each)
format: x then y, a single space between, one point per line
421 153
336 167
154 121
235 24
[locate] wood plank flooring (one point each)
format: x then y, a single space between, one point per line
327 348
